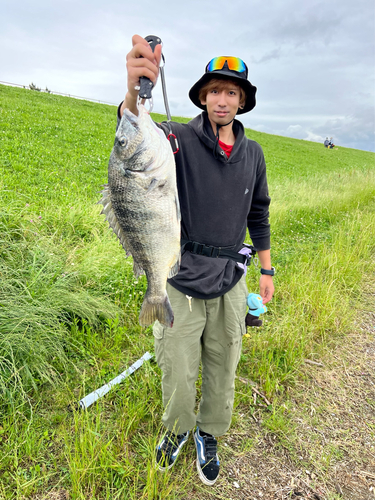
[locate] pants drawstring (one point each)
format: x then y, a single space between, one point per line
189 299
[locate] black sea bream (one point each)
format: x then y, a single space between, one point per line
141 205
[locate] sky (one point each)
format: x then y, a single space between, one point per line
312 62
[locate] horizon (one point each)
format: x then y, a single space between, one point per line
98 101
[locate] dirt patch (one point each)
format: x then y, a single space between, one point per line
354 486
53 495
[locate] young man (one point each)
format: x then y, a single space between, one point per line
222 185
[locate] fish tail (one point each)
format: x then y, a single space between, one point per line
153 310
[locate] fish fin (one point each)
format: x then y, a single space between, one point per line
177 201
160 310
175 267
137 269
104 193
153 184
110 215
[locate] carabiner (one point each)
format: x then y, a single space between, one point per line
175 142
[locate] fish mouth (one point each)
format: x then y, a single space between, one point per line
131 117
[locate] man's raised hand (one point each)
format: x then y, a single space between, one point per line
140 61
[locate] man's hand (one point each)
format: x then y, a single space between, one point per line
266 288
140 61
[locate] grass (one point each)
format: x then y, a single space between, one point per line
70 303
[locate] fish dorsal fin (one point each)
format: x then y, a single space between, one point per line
112 219
137 269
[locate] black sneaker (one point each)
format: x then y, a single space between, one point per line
208 464
169 448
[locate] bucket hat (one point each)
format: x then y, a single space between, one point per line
221 68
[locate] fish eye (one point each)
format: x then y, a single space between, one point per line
123 141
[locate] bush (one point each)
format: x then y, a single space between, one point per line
32 86
40 299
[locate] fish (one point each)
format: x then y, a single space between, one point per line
141 205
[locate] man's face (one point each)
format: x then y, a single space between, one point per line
222 104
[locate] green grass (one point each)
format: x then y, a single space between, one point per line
69 302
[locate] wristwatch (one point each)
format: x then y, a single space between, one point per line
268 272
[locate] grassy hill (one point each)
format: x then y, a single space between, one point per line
69 301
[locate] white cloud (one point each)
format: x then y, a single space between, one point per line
314 137
294 129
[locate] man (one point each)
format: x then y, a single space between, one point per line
330 144
222 185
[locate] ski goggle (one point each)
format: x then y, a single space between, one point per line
233 63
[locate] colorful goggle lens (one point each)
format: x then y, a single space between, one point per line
234 64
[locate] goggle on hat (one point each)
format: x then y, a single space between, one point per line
226 68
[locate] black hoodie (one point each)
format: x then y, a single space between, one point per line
219 198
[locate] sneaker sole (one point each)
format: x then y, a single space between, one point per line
202 477
163 469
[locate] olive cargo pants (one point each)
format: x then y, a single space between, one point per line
210 331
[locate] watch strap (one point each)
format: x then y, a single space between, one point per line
268 272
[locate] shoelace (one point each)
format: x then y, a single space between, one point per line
171 443
210 445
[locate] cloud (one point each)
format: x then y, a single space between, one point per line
310 61
293 129
355 129
268 56
313 137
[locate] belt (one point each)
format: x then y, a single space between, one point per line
218 252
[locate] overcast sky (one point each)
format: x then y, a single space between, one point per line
313 62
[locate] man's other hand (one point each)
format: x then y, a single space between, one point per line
266 288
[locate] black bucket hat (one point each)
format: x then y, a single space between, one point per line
225 73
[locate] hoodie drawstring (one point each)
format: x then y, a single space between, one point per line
216 144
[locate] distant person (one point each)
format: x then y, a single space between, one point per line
328 143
